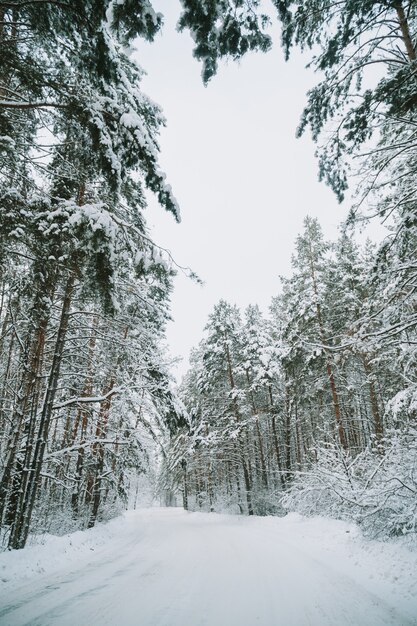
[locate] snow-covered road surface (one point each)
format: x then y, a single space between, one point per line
165 567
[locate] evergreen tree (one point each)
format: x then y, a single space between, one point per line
79 143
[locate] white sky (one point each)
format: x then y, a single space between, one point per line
243 181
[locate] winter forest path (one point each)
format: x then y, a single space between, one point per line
170 568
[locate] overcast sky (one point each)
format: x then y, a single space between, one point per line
243 181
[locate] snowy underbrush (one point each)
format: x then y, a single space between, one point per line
46 553
57 517
55 520
267 502
222 502
376 489
264 502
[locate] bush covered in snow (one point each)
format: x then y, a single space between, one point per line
377 489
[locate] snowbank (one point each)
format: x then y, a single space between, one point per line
47 554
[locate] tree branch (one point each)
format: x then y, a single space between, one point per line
87 399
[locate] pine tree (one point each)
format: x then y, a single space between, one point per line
71 208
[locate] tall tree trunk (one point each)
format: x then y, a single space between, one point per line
288 436
275 437
98 450
82 417
376 415
28 385
101 432
20 528
329 369
405 30
210 491
184 484
264 473
5 398
246 475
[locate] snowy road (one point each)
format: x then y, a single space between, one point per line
165 567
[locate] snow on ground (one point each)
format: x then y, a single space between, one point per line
166 567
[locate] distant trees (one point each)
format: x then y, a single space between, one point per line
273 403
344 326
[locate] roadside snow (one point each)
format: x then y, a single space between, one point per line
49 554
166 567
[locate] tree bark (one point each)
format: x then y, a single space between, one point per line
376 416
82 416
25 397
246 476
329 369
20 528
405 30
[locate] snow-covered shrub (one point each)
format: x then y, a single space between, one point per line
267 502
402 408
376 489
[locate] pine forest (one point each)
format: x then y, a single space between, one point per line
307 407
